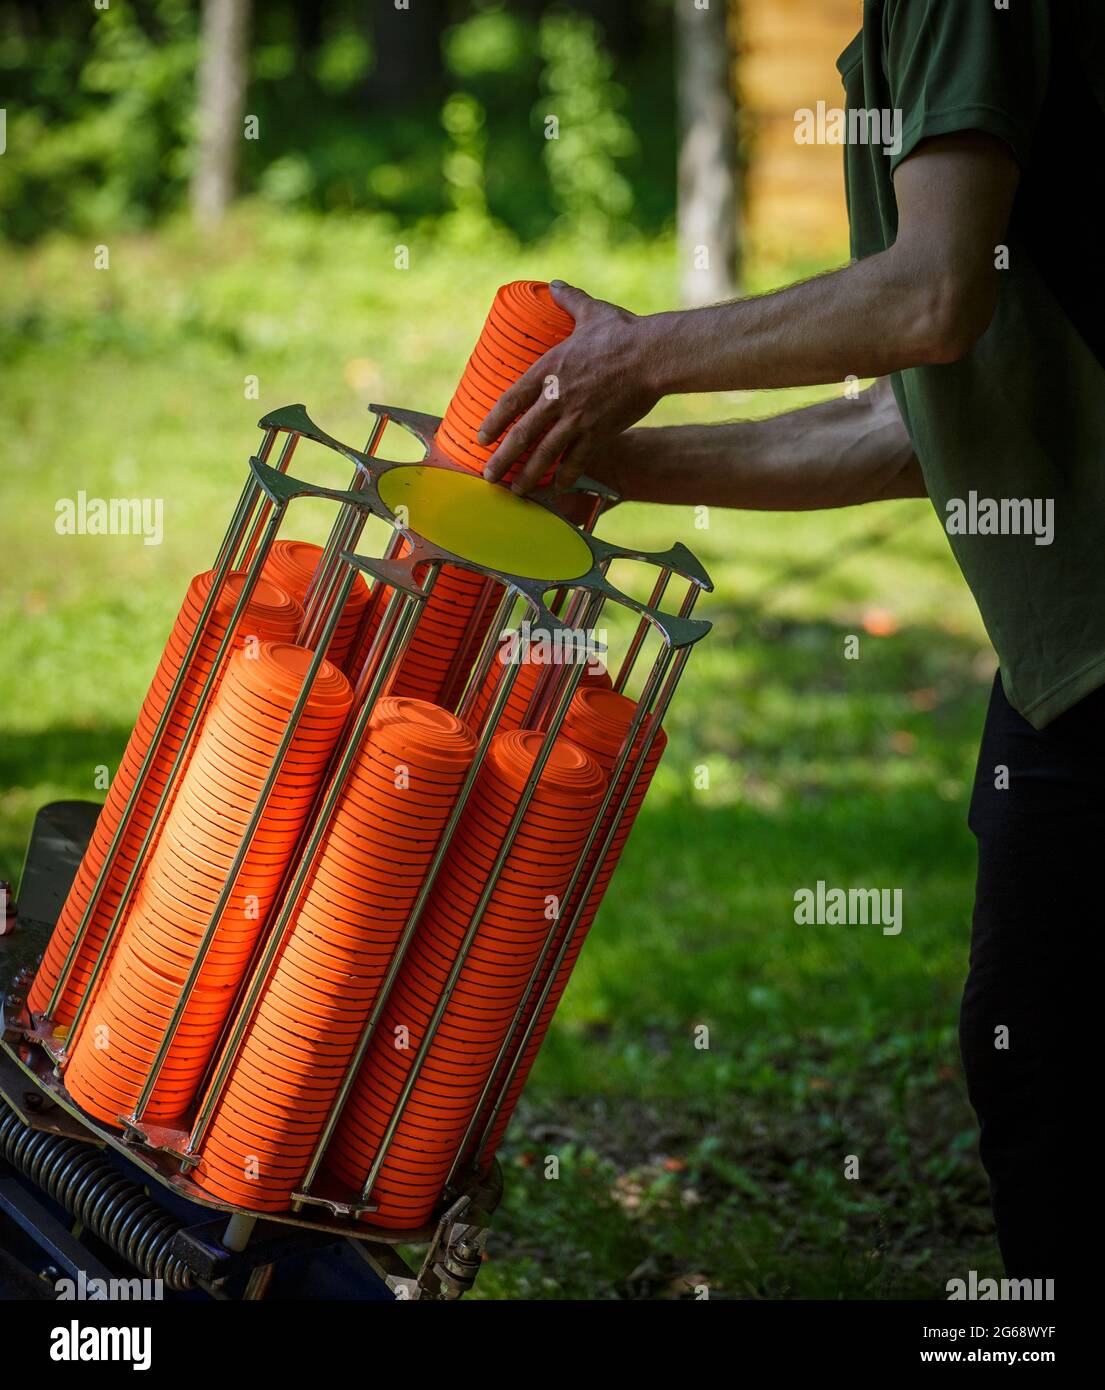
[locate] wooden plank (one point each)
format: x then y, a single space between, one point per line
788 52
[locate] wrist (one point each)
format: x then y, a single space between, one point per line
623 461
654 355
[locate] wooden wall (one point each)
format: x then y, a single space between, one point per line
787 51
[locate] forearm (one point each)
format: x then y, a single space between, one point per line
836 454
880 315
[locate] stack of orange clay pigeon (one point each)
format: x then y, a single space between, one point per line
524 323
268 1116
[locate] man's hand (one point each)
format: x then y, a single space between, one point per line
586 389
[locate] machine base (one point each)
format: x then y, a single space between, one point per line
31 1087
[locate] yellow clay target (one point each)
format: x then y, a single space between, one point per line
485 523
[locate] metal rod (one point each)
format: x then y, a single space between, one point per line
344 535
690 598
286 451
252 576
593 515
641 712
578 909
229 545
239 858
580 603
409 1081
335 760
587 525
544 692
394 965
373 657
384 656
485 661
345 531
628 661
365 694
238 522
290 900
456 675
323 603
394 546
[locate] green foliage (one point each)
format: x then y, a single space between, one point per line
585 134
462 168
98 125
343 60
492 45
101 119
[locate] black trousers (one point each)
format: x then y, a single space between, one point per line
1032 1016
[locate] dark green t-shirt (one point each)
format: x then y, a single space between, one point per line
1021 418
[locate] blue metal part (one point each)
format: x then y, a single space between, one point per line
41 1245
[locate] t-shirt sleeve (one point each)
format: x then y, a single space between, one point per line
967 65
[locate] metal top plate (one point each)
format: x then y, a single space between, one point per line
485 523
543 567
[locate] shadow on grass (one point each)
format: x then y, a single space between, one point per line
42 765
741 1103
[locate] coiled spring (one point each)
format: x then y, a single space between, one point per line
111 1206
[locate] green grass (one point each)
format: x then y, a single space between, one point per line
680 1166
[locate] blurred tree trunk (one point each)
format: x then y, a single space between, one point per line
708 194
406 53
308 29
620 23
220 99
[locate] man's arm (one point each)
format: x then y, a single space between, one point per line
836 454
925 300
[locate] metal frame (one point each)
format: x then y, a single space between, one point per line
169 1154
